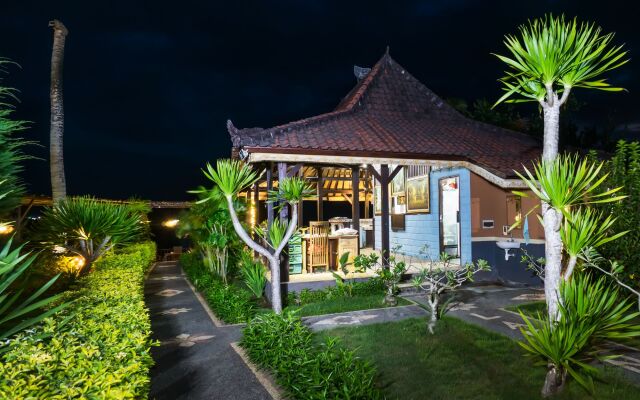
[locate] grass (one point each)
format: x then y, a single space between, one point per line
461 361
343 304
530 309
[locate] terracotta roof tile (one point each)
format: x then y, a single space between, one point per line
391 112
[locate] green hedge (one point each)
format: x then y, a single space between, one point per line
369 287
230 303
98 347
283 345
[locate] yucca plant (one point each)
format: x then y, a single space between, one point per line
17 310
566 185
591 313
585 228
87 227
550 57
233 176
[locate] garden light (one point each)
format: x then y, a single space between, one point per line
171 223
6 229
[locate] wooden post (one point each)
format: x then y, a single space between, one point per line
282 175
284 256
301 204
320 193
256 202
269 188
355 203
367 183
384 217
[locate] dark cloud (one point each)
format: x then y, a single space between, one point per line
149 85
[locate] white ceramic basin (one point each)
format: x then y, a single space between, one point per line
508 244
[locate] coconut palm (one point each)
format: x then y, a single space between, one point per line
232 177
549 58
58 181
87 227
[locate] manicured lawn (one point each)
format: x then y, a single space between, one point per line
343 304
461 361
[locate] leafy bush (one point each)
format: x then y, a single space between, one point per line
624 170
254 274
591 313
285 346
230 303
98 347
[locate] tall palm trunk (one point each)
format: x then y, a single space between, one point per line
58 181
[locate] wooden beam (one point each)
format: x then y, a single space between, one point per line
395 172
347 198
375 173
294 170
355 204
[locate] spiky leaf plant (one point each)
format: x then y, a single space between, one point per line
88 227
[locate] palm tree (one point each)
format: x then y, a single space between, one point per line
550 58
58 181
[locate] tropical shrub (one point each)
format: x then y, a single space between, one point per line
11 154
17 308
209 227
389 275
98 347
592 312
623 169
230 303
282 344
87 227
253 273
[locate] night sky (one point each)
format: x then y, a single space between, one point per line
149 85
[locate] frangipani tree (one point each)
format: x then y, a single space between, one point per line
549 58
232 177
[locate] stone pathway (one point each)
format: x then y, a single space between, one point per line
195 359
364 317
486 306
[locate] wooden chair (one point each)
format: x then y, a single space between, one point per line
318 249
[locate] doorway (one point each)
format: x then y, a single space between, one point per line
449 189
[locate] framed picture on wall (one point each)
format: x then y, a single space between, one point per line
418 195
377 204
398 184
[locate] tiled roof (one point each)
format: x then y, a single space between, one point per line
389 113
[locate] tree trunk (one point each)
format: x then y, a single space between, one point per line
433 319
276 298
58 182
552 218
553 381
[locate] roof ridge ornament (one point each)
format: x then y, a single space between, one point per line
360 72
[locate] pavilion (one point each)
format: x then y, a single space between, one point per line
394 137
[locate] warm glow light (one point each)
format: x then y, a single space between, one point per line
171 223
6 229
252 213
78 262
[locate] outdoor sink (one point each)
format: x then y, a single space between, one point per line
507 245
